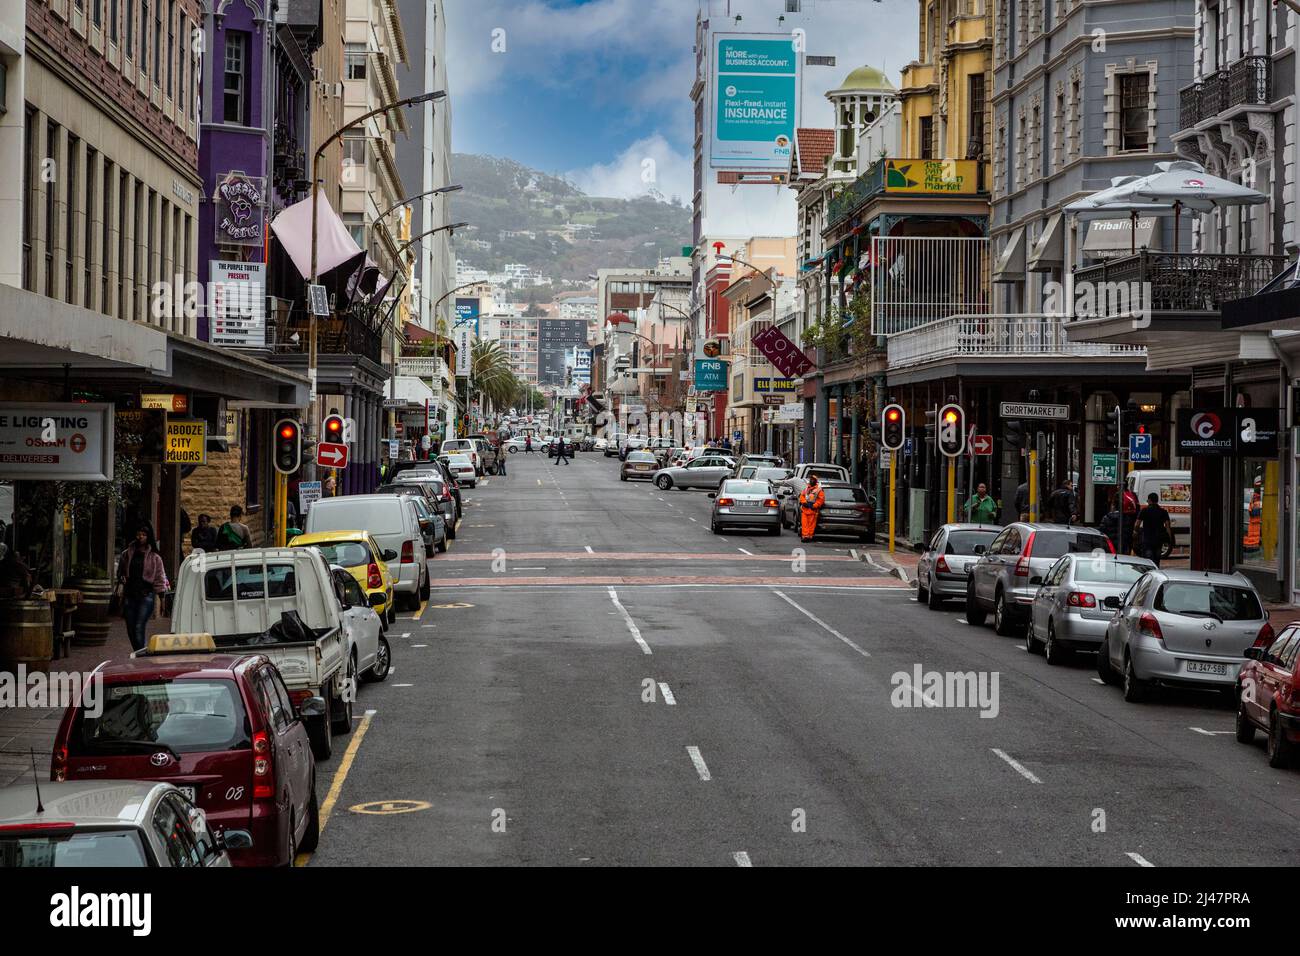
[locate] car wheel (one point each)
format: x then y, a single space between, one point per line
974 613
713 526
318 732
441 546
1135 690
622 477
391 613
1031 643
922 593
1244 728
293 842
1279 748
774 532
664 482
1052 650
513 449
341 707
451 530
383 662
311 836
1104 671
424 591
1002 623
932 600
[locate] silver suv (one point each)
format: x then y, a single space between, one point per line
1007 576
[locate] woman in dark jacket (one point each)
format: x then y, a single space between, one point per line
142 577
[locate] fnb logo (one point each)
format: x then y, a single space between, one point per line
1205 424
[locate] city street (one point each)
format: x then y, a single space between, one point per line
598 679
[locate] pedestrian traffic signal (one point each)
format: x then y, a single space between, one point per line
1113 428
1015 436
334 428
288 446
893 425
952 430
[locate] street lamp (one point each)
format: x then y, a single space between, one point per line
453 226
410 199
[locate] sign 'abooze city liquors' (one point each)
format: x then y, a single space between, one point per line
64 441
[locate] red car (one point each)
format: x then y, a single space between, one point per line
1268 695
220 727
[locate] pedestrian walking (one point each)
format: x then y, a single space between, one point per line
811 502
1022 500
141 578
528 444
1062 504
561 452
204 537
502 454
234 534
1151 528
982 509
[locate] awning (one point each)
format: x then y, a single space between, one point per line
1049 251
414 391
1108 238
1274 307
334 244
1011 263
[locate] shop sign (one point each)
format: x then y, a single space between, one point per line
178 404
309 492
237 303
781 385
240 209
187 442
63 441
1236 432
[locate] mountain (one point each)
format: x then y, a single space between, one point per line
522 215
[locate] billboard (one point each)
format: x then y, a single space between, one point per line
465 332
710 375
755 101
555 337
237 304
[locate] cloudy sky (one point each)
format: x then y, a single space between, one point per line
594 89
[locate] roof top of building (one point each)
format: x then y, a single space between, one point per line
813 146
865 78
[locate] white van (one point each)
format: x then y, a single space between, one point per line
393 522
1175 491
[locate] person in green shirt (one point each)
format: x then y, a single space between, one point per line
981 508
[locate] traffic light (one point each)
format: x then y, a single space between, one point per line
952 430
288 446
334 430
1015 434
893 425
1113 427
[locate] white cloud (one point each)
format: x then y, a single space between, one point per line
649 164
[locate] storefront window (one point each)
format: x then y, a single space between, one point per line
1258 487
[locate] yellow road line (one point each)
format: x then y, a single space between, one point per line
340 777
416 615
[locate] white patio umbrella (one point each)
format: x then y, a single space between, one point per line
1186 185
1119 197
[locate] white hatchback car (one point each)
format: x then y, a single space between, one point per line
462 469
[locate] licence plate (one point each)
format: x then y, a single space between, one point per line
1207 667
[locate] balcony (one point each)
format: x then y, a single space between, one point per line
1033 337
355 332
1247 82
1181 282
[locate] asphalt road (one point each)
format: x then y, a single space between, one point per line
599 680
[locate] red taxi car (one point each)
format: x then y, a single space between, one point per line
1268 696
220 727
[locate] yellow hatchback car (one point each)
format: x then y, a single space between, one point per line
361 555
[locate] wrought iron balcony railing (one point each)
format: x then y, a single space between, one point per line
1170 282
356 332
1018 336
1246 82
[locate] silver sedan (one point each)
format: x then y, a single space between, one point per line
1069 611
1181 628
741 503
707 471
941 570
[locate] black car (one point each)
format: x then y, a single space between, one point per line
848 511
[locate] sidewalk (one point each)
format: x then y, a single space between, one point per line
23 729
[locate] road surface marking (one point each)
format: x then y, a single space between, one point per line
1016 765
961 620
669 699
391 806
543 568
743 551
692 519
816 620
1138 859
1211 733
401 685
700 766
406 634
539 481
416 615
415 645
631 624
741 858
340 777
1098 680
874 564
589 549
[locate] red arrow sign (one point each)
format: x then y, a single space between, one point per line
981 444
332 456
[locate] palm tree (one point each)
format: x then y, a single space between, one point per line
491 376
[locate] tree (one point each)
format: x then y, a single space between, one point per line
491 376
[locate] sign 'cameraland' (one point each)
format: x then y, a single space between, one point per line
187 442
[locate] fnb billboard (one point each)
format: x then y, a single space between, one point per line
755 101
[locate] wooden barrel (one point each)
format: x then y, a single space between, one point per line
91 620
26 635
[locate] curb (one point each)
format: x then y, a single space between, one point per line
885 562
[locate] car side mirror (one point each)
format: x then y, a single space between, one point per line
1036 579
1254 653
312 707
234 840
980 548
1111 603
389 555
377 599
713 494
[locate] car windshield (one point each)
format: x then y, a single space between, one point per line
833 474
346 554
1106 570
1054 544
773 474
747 488
641 456
460 461
96 848
1221 601
184 716
250 583
965 542
845 494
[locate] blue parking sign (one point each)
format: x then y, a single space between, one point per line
1139 449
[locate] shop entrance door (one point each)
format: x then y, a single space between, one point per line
1209 516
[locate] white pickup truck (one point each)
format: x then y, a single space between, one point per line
281 603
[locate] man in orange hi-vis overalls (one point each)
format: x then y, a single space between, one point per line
810 505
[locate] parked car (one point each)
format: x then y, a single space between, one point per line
707 471
602 445
462 469
120 823
432 526
630 444
364 559
467 447
1069 611
393 522
220 727
941 569
798 481
847 511
740 503
769 461
435 490
1003 579
1268 696
425 470
1182 628
489 457
614 445
639 464
769 473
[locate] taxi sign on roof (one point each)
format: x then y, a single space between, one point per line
181 643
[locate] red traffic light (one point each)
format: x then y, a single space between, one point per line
893 414
950 417
287 431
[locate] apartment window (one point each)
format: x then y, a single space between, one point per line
1076 92
70 214
1035 145
97 14
52 157
143 58
927 137
233 84
1243 28
105 239
354 61
157 42
1058 131
137 240
112 20
1135 110
130 29
354 158
29 196
153 260
977 101
123 187
171 46
88 234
